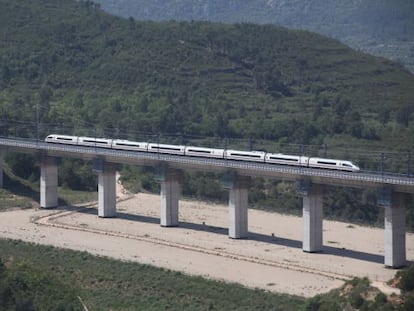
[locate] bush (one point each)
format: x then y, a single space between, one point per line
23 287
313 304
407 279
323 303
409 303
356 300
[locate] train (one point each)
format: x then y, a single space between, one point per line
203 152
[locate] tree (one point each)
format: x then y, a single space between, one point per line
407 279
403 115
23 165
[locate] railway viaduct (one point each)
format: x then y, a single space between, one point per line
394 191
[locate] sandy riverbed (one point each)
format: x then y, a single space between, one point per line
271 258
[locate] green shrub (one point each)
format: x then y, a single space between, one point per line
323 303
356 300
407 279
313 303
409 303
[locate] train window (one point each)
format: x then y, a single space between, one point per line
284 159
167 148
346 164
199 151
326 162
245 155
96 141
64 138
128 144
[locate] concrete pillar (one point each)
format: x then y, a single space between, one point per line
107 190
48 183
394 225
170 192
312 219
238 208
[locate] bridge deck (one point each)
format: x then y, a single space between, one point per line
398 183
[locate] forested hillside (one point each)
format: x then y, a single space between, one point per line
381 27
84 66
75 69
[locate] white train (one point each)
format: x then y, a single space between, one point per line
256 156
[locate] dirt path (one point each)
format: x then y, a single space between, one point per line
271 258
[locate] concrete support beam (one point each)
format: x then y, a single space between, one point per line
238 208
170 193
312 219
107 190
394 235
48 183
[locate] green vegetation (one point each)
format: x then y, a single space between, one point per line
9 200
24 287
68 67
36 277
356 294
19 192
30 272
381 27
407 279
78 70
406 284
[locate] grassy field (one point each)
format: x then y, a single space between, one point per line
9 200
106 284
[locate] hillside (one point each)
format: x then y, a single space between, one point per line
85 67
78 70
381 27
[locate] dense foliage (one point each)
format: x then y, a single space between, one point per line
29 273
24 287
381 27
78 67
407 279
68 67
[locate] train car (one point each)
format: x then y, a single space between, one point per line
129 145
62 139
95 142
204 152
256 156
333 164
164 148
285 159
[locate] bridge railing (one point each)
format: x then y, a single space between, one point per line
381 161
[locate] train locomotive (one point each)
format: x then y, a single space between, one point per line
203 152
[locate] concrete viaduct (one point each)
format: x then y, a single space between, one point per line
394 191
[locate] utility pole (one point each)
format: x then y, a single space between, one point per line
37 122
